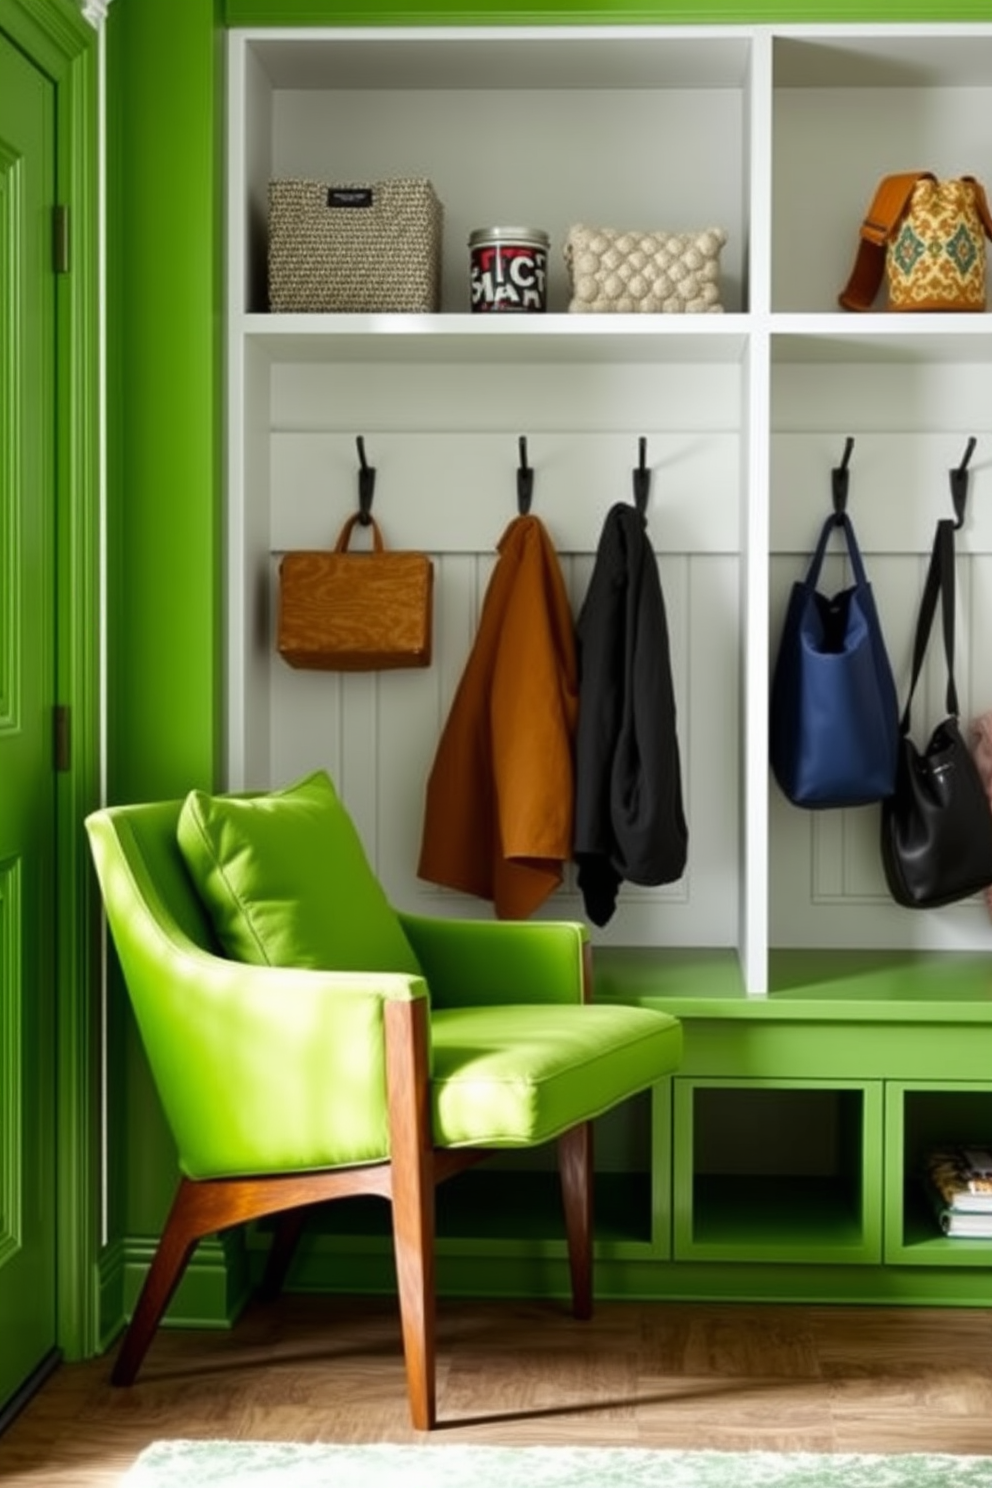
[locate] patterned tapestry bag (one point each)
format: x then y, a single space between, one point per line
928 238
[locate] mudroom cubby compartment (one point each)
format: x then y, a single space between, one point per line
629 128
851 105
911 403
517 1195
777 1171
919 1117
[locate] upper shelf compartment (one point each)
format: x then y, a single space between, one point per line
851 105
627 127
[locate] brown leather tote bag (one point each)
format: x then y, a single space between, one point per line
342 611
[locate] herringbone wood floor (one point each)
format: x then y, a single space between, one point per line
736 1377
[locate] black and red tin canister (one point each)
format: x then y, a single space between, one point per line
509 270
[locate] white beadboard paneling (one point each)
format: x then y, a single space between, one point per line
711 748
305 722
409 709
840 897
360 736
845 854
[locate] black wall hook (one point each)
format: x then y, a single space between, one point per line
840 479
959 483
366 485
642 478
525 480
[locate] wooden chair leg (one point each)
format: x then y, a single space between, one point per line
207 1207
285 1238
180 1237
412 1189
575 1166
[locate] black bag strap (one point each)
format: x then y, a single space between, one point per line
939 581
843 521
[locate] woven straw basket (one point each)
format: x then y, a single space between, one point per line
374 246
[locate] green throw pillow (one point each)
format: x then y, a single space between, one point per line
286 882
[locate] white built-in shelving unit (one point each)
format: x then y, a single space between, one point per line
777 135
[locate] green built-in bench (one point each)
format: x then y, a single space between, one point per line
800 1119
781 1162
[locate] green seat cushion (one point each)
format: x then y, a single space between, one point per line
286 882
520 1075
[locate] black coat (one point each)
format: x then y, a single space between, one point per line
629 819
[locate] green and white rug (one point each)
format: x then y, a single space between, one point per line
219 1464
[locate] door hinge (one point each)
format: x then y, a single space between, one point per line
61 738
60 239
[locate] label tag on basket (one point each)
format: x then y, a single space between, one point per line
349 196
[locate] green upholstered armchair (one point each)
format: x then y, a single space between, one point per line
308 1043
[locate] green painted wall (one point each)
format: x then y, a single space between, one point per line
164 661
164 689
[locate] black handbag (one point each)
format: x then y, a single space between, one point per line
936 826
834 722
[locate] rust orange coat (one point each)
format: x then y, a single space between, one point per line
499 803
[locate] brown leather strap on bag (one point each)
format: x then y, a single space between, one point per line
344 536
888 204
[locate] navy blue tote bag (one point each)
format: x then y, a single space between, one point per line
834 726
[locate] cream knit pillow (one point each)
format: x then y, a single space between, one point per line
652 272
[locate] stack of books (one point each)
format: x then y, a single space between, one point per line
958 1181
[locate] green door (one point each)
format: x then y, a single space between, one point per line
27 682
